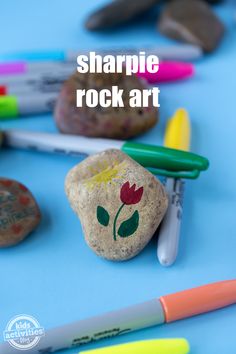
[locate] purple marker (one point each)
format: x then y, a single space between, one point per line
23 67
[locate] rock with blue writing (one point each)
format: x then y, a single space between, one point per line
120 204
106 122
19 212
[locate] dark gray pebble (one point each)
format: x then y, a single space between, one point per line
192 21
117 12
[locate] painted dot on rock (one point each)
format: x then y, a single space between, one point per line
6 182
24 200
17 228
22 187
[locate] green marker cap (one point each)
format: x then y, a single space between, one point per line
8 107
165 161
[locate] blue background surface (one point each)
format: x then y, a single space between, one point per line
53 275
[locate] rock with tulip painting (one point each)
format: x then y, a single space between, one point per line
120 204
19 212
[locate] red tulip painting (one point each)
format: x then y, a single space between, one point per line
129 195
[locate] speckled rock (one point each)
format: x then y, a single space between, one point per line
120 204
192 21
118 12
19 212
118 123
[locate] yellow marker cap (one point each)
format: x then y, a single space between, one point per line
155 346
178 131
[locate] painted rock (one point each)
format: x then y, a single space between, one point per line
118 123
192 21
119 203
19 212
118 12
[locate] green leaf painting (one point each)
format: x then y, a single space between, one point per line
129 195
103 216
128 227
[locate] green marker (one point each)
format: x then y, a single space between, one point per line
157 159
13 107
8 107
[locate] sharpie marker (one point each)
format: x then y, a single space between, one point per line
24 67
175 52
35 77
32 83
168 239
13 107
177 136
169 71
166 309
41 82
32 88
159 160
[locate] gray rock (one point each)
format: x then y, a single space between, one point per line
212 2
19 212
120 204
118 12
192 21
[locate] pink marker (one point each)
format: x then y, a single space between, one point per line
23 67
169 71
12 68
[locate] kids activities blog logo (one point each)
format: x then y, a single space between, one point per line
23 332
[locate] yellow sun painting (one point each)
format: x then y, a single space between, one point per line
105 173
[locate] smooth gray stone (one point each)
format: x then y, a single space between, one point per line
191 21
118 12
210 1
214 1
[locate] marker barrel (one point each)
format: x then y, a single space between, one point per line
33 78
32 83
111 324
38 88
159 160
13 107
59 143
168 308
23 67
168 240
174 52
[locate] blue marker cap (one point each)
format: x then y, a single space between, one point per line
34 56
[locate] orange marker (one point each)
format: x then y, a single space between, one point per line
199 300
168 308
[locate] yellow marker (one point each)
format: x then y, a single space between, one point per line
155 346
178 131
177 136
